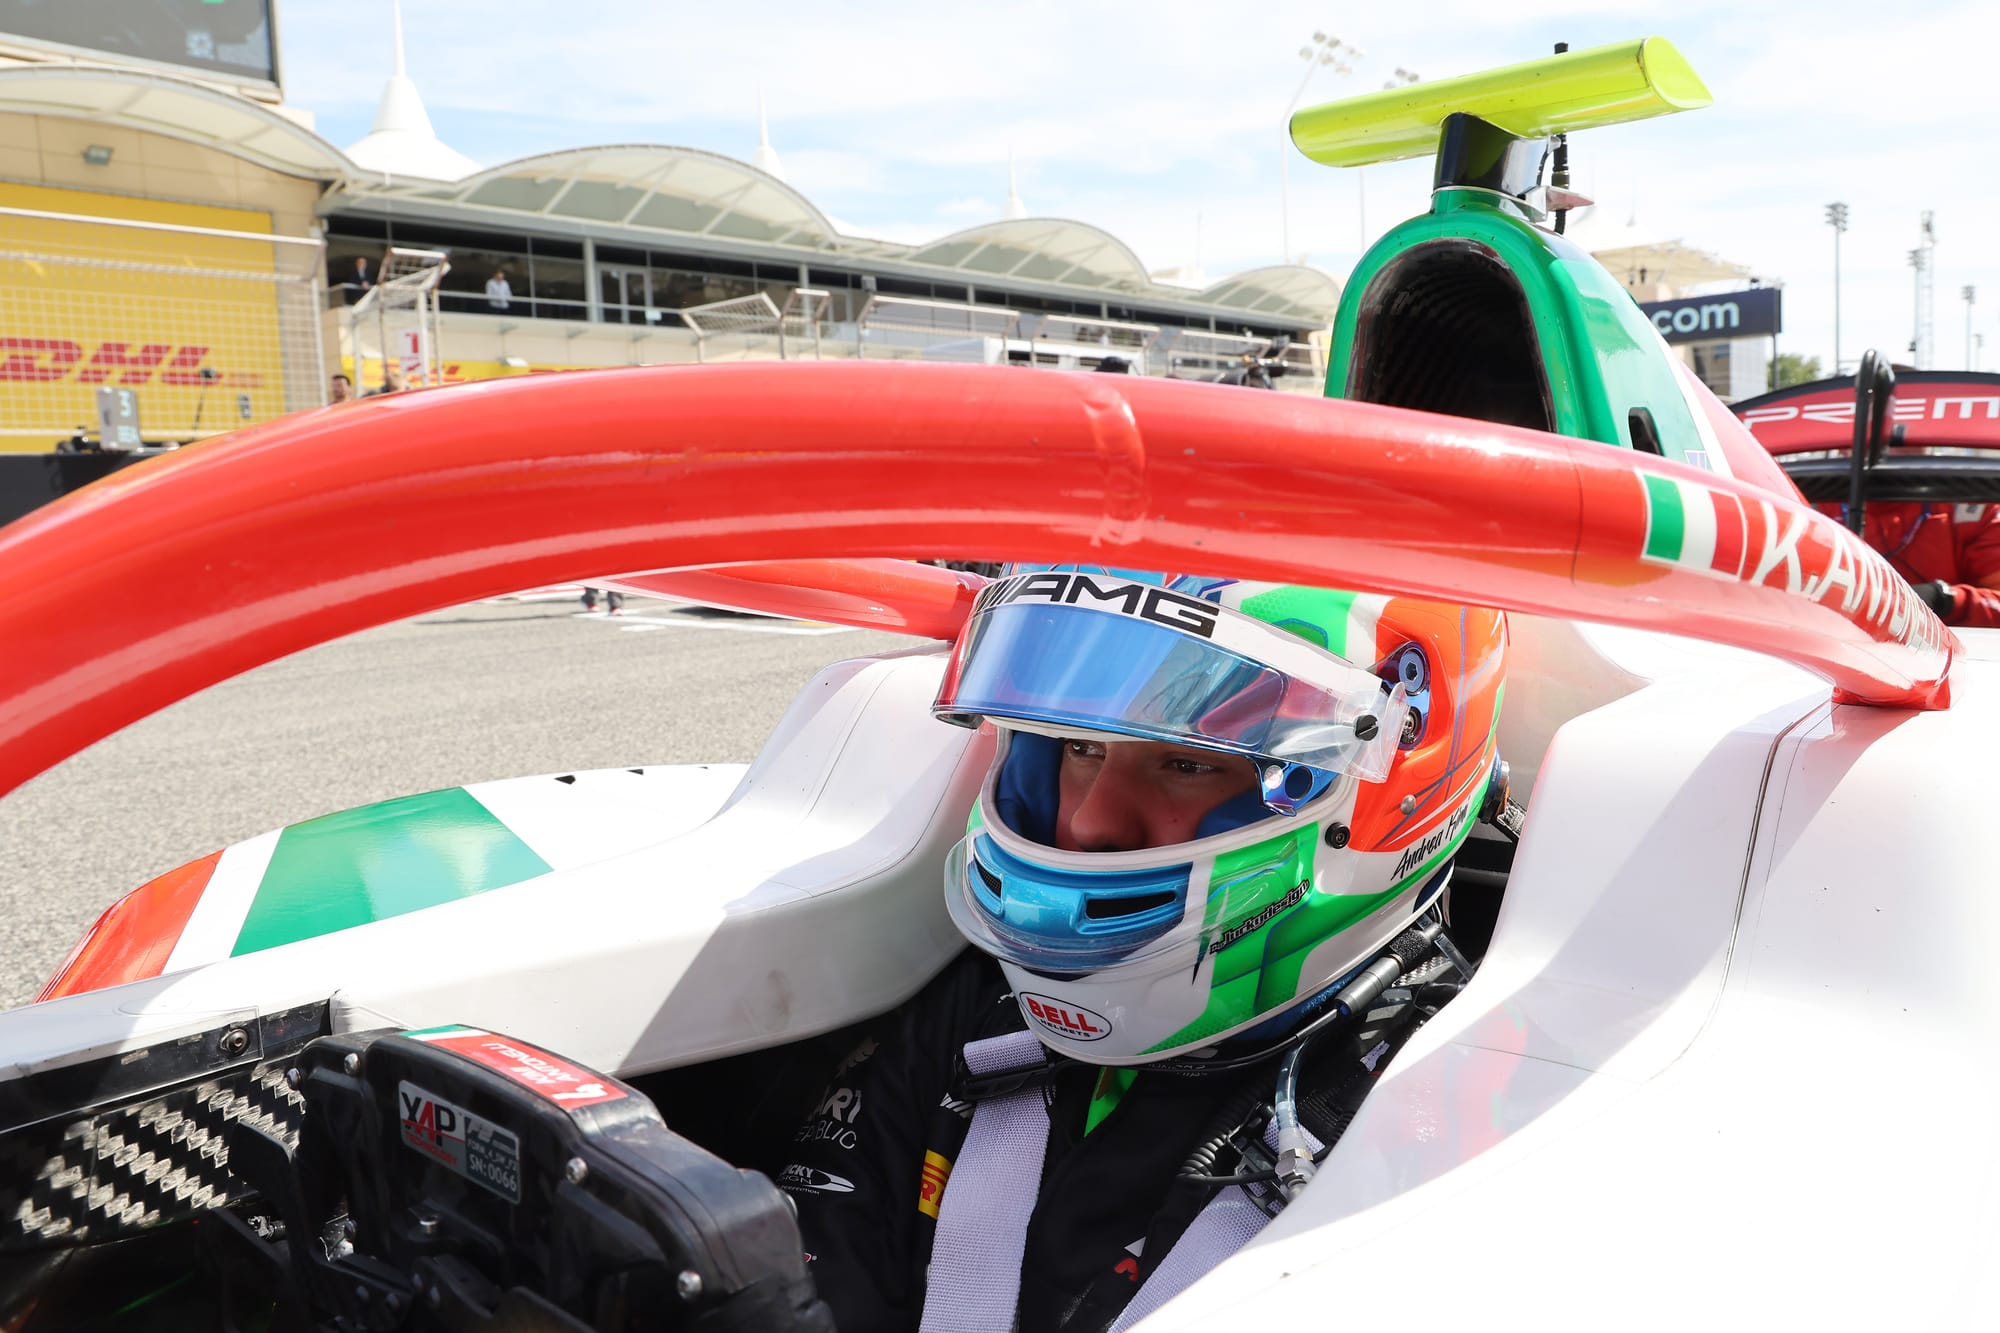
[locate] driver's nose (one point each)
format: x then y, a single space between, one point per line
1111 815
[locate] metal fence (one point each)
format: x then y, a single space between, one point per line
1199 355
909 326
393 331
211 330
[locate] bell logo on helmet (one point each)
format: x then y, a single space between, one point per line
1143 600
1072 1021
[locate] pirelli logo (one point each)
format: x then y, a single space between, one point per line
930 1189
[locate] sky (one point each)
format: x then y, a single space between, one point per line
1164 122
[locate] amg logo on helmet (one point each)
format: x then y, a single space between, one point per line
1070 1021
1132 599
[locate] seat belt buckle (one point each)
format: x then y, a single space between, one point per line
1255 1158
967 1086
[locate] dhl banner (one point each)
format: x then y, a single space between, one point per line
197 325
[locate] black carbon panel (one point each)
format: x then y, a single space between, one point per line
106 1175
96 1149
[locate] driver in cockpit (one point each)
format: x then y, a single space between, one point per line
1216 808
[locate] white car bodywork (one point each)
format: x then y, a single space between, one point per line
1723 1059
1712 1064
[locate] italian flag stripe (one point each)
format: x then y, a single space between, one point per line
379 861
1688 524
1729 533
1663 519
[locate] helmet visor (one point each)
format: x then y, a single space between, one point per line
1226 682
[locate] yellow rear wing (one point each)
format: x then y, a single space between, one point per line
1535 99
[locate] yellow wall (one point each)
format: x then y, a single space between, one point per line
82 306
55 199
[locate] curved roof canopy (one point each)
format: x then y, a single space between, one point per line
1669 262
1075 254
177 108
1285 291
649 187
1636 253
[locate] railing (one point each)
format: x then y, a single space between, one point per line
402 311
756 326
208 329
1197 354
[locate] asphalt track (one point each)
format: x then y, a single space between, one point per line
494 690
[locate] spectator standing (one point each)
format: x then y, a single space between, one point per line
499 294
341 390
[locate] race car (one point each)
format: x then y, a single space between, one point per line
1728 1015
1904 458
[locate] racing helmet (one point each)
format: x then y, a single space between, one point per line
1370 722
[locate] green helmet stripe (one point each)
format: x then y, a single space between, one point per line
1249 877
1292 940
1261 973
1317 615
1244 880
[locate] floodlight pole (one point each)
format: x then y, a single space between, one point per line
1285 169
1322 51
1836 217
1918 351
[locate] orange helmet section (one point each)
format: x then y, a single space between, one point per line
1464 655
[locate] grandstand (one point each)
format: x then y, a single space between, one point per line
170 225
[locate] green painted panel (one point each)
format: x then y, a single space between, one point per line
379 861
1601 356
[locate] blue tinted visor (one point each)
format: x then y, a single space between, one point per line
1248 688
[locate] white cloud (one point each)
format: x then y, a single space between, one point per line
969 206
813 170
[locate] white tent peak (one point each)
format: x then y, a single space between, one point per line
401 142
1015 208
766 160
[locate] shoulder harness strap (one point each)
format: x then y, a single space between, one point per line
974 1281
1232 1218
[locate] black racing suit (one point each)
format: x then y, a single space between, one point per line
868 1167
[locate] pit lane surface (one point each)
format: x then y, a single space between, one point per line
469 694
